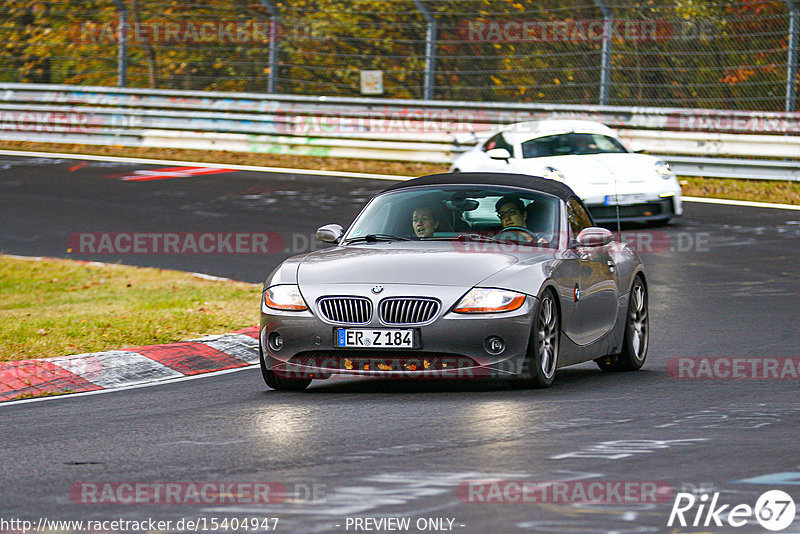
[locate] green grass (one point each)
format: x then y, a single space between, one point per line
58 307
779 191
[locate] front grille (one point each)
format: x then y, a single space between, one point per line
383 360
407 310
633 211
346 310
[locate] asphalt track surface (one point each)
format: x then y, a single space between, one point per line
724 282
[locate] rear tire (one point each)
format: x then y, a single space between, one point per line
541 361
637 334
281 383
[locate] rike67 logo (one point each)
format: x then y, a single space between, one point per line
774 510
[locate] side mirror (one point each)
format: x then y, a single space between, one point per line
330 233
636 148
594 236
499 153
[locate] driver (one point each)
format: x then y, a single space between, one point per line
511 211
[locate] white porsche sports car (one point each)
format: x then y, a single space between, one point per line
590 158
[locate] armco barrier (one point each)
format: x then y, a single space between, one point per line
404 130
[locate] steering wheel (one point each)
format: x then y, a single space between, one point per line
524 235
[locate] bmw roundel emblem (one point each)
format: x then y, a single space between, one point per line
377 289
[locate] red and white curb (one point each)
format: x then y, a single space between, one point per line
127 367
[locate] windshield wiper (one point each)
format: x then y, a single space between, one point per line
464 237
483 238
374 238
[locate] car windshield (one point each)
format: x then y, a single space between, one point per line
458 212
571 144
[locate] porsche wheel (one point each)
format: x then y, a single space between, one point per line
637 334
539 367
281 383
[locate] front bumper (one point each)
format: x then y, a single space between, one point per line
654 210
452 346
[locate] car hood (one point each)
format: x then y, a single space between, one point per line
434 263
597 169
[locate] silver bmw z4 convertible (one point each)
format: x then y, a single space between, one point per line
464 275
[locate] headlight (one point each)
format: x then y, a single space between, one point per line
663 169
284 297
551 173
481 300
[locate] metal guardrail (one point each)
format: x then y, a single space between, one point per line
734 168
696 142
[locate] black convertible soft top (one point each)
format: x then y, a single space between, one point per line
526 181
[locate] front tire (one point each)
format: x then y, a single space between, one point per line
541 361
276 381
637 333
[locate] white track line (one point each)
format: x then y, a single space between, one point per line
122 388
256 168
745 203
204 276
339 174
273 170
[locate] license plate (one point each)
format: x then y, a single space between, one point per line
394 338
636 198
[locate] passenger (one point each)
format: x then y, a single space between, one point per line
424 222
